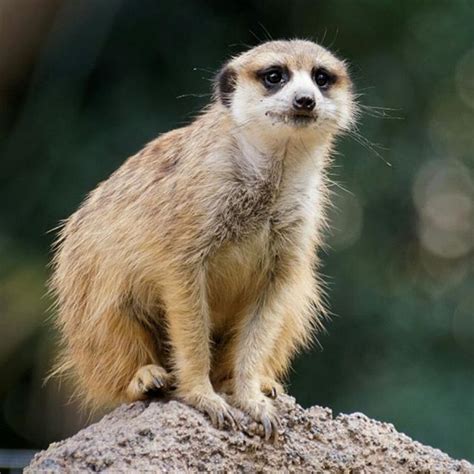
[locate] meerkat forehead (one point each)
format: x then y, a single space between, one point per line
294 54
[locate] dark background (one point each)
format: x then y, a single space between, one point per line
83 85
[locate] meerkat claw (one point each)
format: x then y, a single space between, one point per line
217 409
270 428
221 419
158 382
216 419
272 393
267 428
147 380
271 388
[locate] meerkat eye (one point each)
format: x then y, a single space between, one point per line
322 78
274 77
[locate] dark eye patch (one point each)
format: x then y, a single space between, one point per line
323 78
225 84
274 77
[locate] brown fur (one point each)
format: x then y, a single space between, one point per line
189 265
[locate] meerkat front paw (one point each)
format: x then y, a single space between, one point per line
213 405
148 379
261 409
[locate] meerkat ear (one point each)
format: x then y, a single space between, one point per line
224 84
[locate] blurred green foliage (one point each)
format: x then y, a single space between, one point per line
89 83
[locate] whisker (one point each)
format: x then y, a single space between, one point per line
269 36
240 45
356 131
340 186
184 96
324 37
368 145
256 37
203 69
380 112
335 38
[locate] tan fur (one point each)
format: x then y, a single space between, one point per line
194 262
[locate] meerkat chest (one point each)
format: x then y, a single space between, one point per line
241 266
298 207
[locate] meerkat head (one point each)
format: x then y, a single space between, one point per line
282 88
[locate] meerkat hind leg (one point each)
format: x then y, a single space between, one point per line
147 380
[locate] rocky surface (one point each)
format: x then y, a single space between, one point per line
167 436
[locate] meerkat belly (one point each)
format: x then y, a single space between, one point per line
236 275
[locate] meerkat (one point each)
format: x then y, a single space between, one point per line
193 265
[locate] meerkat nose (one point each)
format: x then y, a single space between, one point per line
304 102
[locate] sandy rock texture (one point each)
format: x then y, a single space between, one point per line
168 436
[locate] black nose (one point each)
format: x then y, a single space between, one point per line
304 102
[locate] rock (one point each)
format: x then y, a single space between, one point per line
168 436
